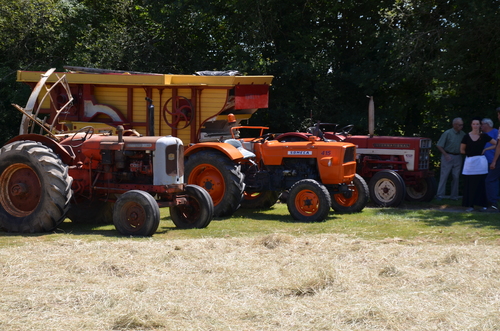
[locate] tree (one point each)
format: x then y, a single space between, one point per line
424 62
32 38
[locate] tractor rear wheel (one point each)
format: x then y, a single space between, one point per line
136 213
308 201
220 177
259 200
35 188
355 201
387 188
197 213
424 190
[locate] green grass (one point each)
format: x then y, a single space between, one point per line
411 223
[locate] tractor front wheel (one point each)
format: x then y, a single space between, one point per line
35 188
136 213
387 188
220 177
355 200
308 201
197 213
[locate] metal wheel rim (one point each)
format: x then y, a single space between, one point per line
347 202
307 202
211 179
415 193
190 213
134 215
385 190
20 190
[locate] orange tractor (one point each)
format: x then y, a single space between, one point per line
314 175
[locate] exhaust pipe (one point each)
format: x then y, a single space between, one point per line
151 117
371 116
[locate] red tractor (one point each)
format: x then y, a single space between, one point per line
90 177
193 108
394 167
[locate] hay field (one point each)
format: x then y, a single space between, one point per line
271 282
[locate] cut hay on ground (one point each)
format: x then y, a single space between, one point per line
277 282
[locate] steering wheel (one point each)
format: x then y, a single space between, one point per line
346 129
264 137
89 131
180 110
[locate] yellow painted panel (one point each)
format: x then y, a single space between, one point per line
105 79
145 80
139 105
115 97
212 102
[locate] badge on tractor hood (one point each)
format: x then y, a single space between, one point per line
300 152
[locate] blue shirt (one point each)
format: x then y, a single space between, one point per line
491 153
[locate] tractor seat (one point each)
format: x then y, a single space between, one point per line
236 143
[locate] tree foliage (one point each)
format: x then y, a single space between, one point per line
425 62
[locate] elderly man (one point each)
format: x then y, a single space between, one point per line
451 159
492 179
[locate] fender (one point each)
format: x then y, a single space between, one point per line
66 156
229 150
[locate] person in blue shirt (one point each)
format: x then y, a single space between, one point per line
493 177
487 127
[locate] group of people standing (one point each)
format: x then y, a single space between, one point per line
481 167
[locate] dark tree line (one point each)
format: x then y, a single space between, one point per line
425 62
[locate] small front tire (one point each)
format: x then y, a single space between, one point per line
425 190
308 201
199 211
387 188
353 202
136 213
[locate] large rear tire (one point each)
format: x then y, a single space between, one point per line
220 177
425 190
308 201
35 188
387 188
355 201
136 213
259 200
197 213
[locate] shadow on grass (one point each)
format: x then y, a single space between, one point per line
104 230
72 229
446 218
272 215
